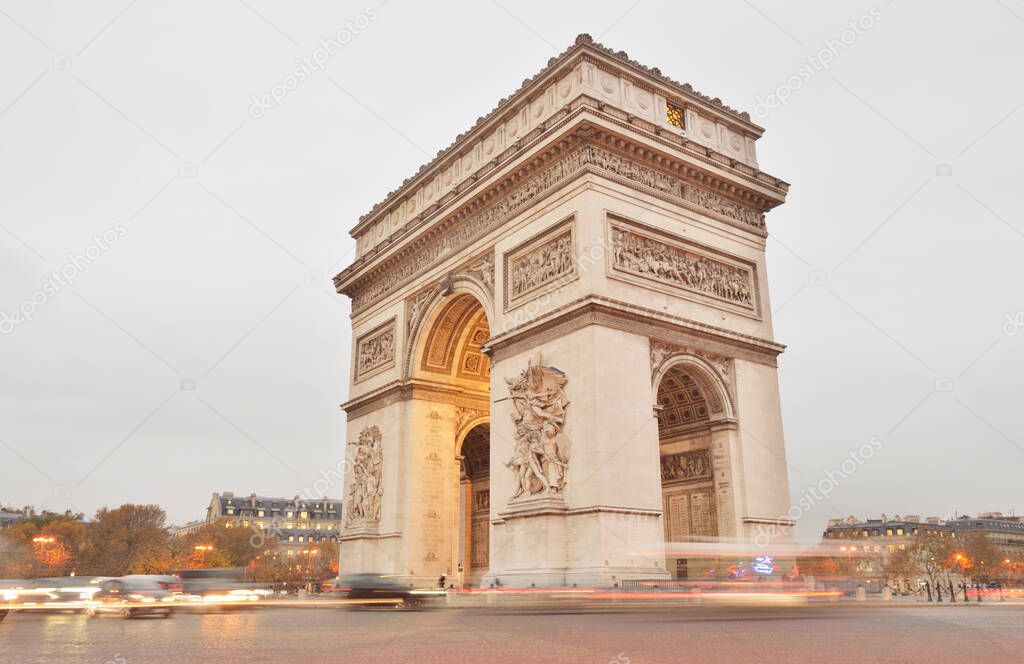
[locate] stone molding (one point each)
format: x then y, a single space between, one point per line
621 315
406 390
565 161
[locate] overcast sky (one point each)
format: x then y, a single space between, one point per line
199 345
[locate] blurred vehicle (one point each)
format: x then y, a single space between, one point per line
131 596
372 589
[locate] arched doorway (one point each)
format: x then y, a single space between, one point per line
475 505
451 381
687 407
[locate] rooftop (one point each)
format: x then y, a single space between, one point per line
684 90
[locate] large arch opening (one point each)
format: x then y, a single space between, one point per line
452 374
685 410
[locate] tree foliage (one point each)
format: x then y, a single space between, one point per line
130 539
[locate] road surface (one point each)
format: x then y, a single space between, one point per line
846 633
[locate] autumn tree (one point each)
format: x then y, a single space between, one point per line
930 555
53 542
130 539
231 547
983 558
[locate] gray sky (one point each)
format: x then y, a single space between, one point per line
221 274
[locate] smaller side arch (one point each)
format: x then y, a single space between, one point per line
721 405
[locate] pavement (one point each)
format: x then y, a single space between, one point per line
817 633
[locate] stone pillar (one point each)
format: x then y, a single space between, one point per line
606 524
726 467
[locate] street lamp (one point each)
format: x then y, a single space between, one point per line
202 550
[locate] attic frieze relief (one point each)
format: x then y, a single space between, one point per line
458 231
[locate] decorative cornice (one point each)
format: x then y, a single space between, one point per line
405 390
584 44
588 150
636 319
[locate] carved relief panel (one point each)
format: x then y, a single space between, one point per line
542 450
540 265
650 258
686 466
362 504
375 351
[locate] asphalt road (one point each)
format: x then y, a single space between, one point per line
815 634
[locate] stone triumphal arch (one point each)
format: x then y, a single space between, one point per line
563 352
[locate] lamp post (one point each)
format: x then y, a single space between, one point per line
310 554
202 550
41 543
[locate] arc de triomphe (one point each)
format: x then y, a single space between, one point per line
562 341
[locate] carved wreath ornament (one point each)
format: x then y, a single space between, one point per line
541 449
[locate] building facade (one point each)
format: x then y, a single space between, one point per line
296 522
563 356
872 541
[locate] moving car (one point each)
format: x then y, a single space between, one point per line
371 589
132 596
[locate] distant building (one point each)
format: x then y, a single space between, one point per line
9 517
884 536
1006 532
297 522
187 529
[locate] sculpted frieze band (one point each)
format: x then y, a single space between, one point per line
681 266
459 231
686 466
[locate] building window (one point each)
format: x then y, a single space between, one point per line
888 532
674 115
899 531
260 513
303 515
903 546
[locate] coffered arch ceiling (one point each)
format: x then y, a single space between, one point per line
452 346
682 404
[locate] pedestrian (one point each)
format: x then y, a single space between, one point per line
440 582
